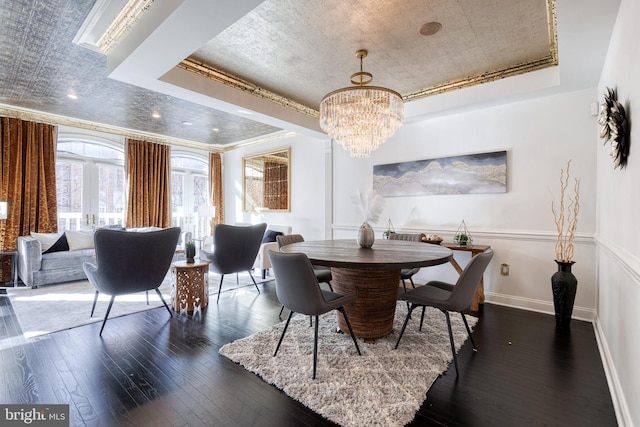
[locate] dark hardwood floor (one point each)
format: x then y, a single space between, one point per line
147 370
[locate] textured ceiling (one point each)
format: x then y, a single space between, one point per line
303 49
40 65
298 49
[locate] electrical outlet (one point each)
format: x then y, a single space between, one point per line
504 269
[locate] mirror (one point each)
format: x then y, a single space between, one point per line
266 181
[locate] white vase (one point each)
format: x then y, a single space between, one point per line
366 236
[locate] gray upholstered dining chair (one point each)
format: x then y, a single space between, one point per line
407 273
298 289
447 297
323 274
234 250
130 262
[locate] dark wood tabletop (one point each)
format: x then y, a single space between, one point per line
384 255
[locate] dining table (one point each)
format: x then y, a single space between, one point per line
371 274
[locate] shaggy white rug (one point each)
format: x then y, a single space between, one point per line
383 387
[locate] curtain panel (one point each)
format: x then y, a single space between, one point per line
27 183
27 179
215 183
148 193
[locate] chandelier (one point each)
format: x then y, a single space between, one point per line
361 117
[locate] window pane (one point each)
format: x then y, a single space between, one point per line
177 191
177 200
111 199
188 163
200 192
85 149
69 189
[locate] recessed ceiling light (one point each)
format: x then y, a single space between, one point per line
186 123
430 28
155 115
215 129
72 95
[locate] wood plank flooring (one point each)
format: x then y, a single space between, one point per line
149 370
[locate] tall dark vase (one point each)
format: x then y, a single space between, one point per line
564 285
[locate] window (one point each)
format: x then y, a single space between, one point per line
90 184
189 191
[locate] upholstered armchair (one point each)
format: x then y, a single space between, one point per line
234 250
129 262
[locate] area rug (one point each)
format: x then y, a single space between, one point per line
53 308
383 387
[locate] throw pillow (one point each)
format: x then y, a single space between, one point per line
46 239
79 239
270 236
60 245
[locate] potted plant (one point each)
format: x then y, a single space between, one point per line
462 237
190 251
389 230
563 283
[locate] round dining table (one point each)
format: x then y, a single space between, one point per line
372 274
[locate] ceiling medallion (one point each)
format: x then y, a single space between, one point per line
361 117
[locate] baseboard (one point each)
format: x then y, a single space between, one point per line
615 389
579 313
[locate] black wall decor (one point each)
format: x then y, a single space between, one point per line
615 129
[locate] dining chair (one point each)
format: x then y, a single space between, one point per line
407 273
298 289
447 297
323 274
234 250
128 262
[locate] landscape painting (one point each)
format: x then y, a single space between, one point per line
468 174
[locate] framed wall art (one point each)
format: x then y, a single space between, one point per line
468 174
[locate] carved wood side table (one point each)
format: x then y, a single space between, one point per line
190 286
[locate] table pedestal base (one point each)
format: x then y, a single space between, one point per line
372 314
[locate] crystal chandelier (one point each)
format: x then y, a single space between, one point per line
361 117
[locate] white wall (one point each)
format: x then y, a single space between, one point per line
540 136
618 233
310 201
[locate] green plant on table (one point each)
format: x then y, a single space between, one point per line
462 239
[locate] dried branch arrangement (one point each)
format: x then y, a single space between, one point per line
566 216
370 205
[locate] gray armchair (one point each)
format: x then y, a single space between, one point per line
407 273
323 274
129 262
449 297
234 250
298 289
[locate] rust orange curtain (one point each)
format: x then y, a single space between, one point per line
27 182
215 183
148 192
28 179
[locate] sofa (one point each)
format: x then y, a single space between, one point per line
263 262
50 258
45 258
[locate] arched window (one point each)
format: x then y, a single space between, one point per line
189 190
90 184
